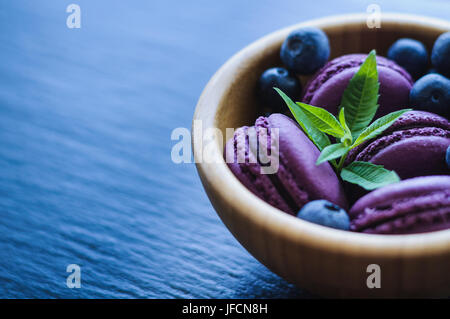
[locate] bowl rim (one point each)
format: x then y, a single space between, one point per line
220 181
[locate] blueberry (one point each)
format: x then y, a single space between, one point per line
440 55
282 79
447 157
431 93
411 55
305 50
325 213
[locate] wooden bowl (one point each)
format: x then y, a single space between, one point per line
321 260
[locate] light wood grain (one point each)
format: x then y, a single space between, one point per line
322 260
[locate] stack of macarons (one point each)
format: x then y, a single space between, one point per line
416 146
298 179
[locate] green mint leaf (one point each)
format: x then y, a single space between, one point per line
342 120
319 138
331 152
368 175
323 120
347 138
378 127
360 98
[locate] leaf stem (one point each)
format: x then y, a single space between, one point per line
341 163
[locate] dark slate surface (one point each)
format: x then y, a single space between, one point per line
85 123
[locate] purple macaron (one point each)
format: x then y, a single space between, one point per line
415 145
326 87
416 205
297 180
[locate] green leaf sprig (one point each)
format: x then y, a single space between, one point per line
352 127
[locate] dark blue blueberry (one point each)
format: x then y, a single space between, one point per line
325 213
447 157
411 55
431 93
440 55
282 79
305 50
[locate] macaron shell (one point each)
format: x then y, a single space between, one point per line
409 120
418 119
345 62
413 187
414 145
422 214
325 89
415 205
299 155
249 173
288 185
411 156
